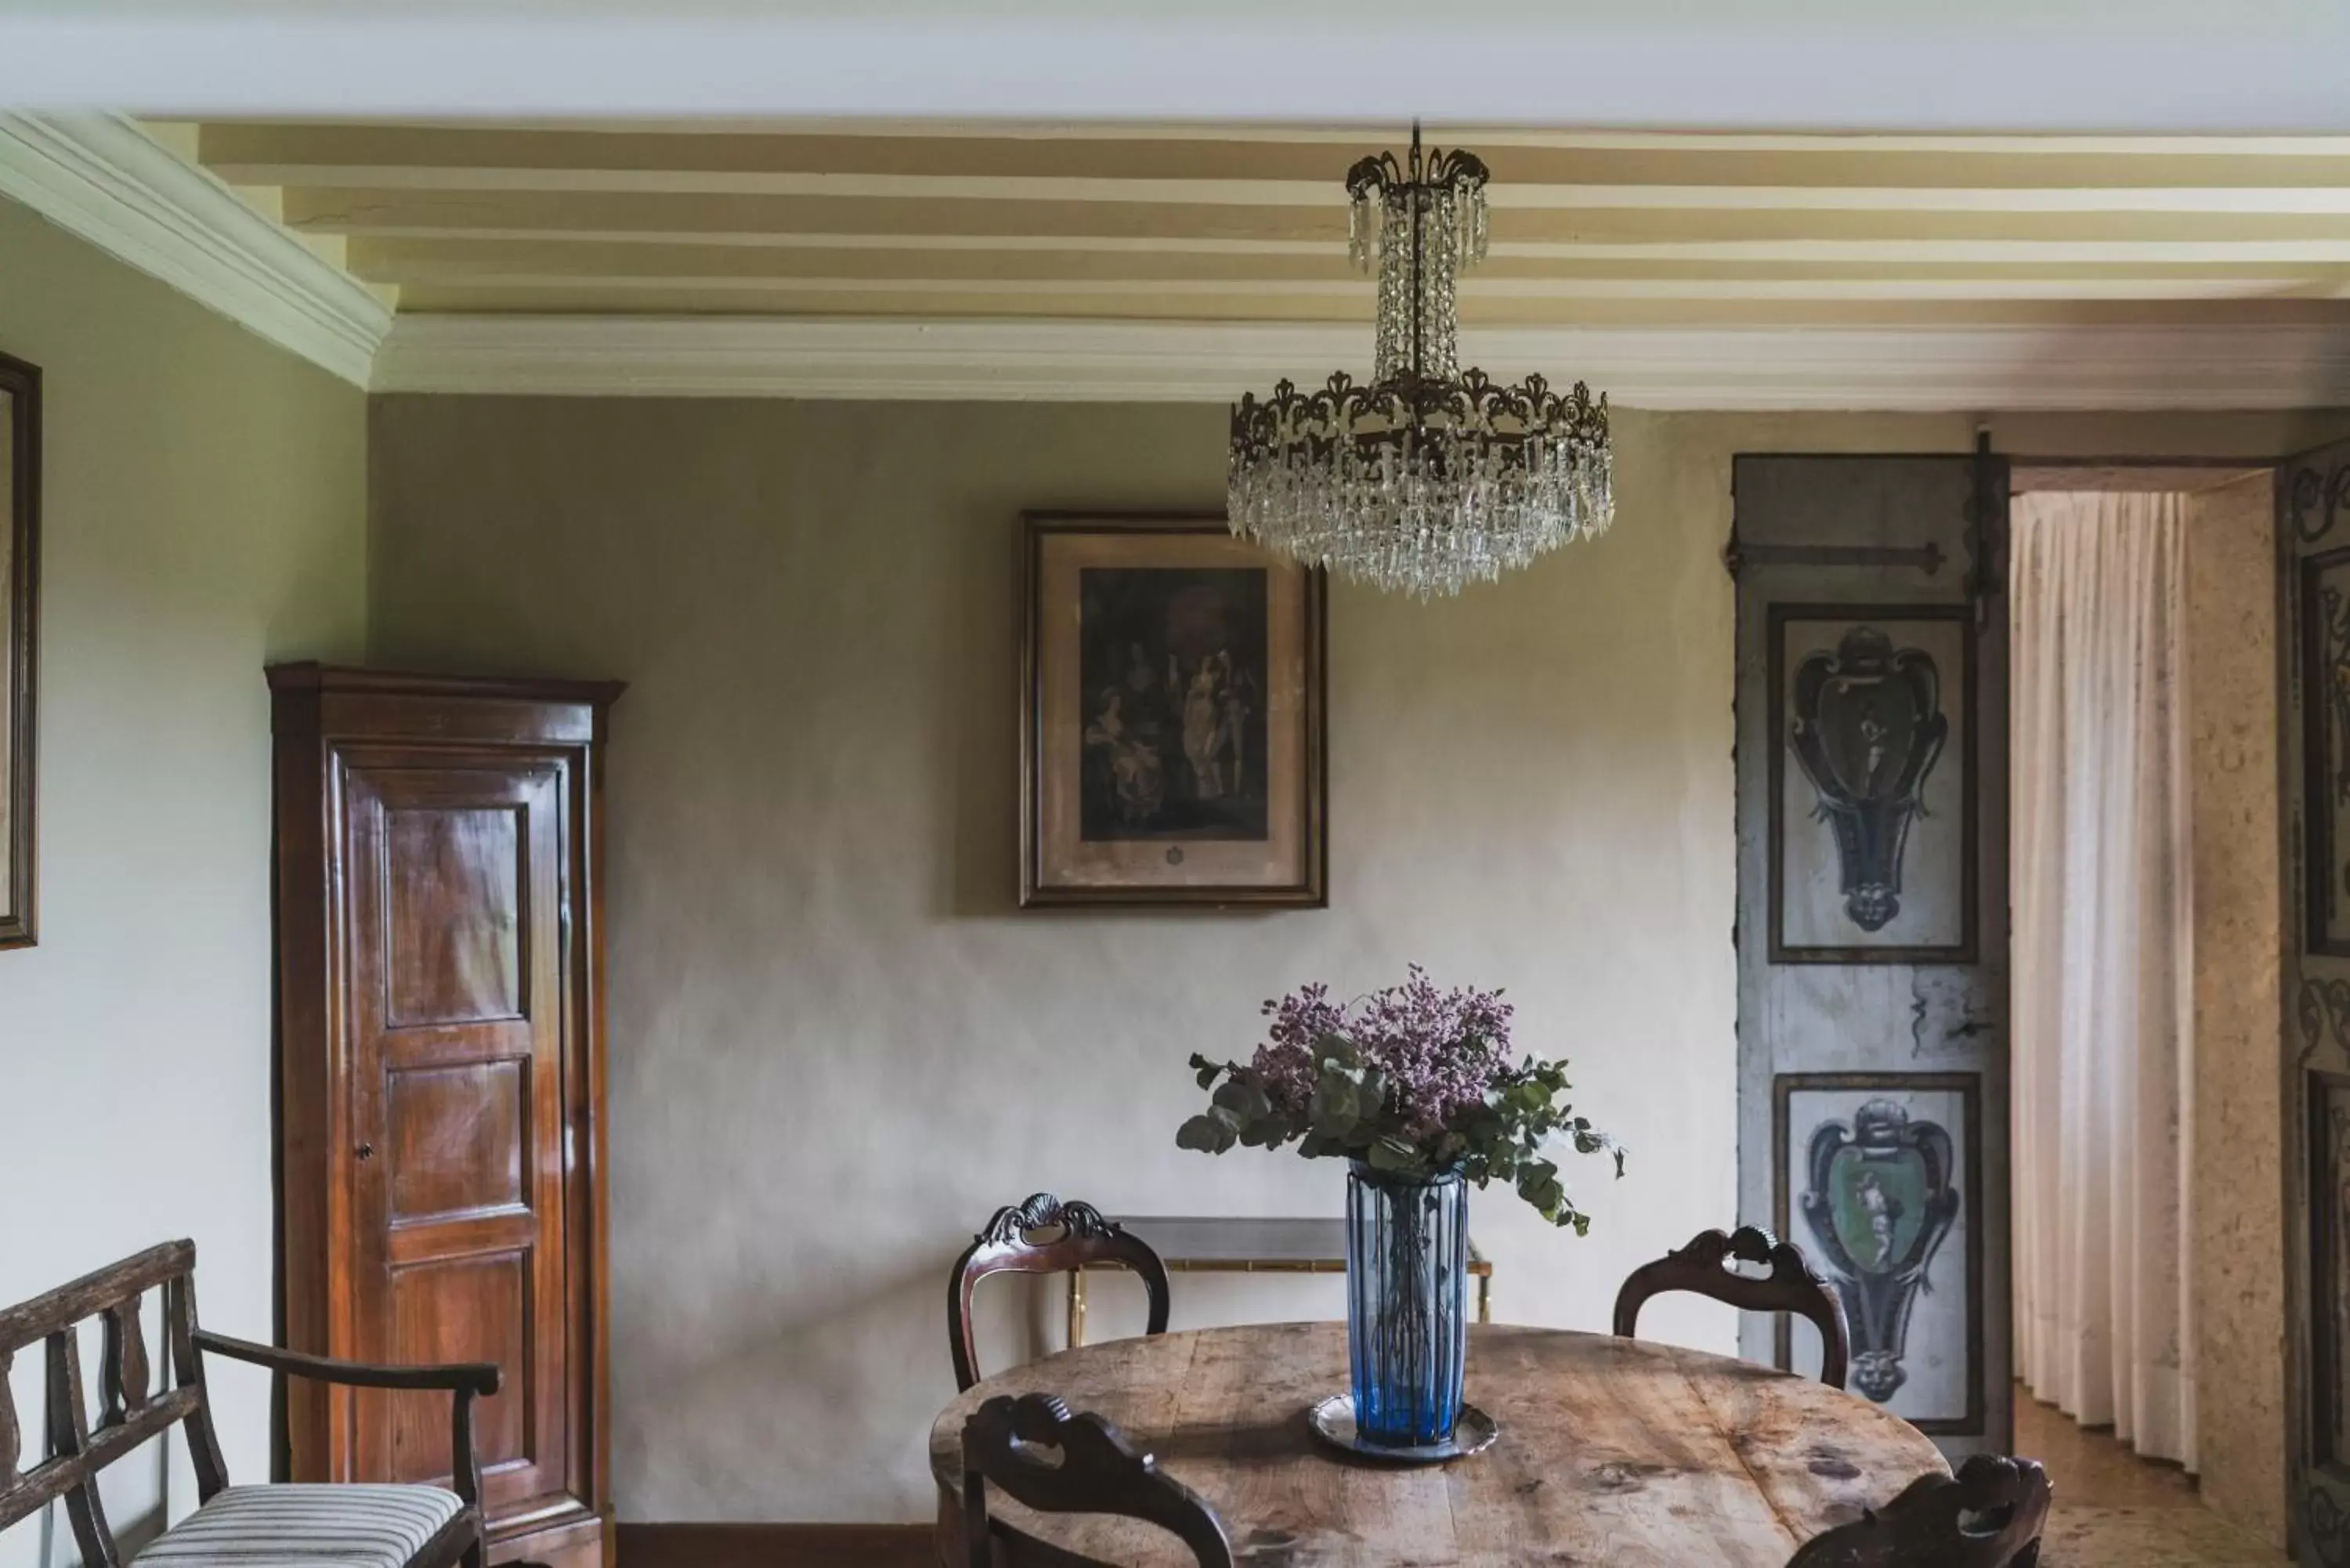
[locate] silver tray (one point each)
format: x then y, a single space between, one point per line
1332 1421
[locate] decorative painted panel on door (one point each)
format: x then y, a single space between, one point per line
2313 540
1872 932
441 1077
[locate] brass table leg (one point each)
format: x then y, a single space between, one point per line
1076 1308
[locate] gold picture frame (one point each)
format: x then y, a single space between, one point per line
1173 717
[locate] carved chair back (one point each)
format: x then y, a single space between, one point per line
1990 1515
1040 1455
134 1406
1703 1267
1044 1235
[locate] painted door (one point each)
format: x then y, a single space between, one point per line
1872 916
2313 621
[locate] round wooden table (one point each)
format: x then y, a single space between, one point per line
1612 1451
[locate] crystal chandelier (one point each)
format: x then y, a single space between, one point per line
1428 477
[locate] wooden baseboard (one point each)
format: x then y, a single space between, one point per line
775 1546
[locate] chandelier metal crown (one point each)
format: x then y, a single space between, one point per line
1427 478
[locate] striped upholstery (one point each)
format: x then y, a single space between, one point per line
306 1526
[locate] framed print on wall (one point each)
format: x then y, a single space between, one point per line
20 490
1879 1178
1171 717
1872 808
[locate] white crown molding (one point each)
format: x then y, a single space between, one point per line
1758 368
100 177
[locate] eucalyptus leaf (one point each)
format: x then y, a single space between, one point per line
1265 1131
1206 1134
1245 1100
1337 1048
1336 1106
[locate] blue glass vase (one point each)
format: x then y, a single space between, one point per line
1407 1298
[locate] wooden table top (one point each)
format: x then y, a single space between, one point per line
1612 1450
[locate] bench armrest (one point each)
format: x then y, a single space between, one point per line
463 1380
478 1377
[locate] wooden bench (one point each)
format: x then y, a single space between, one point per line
353 1525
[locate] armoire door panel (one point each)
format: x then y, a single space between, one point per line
454 918
465 1309
420 1046
501 1231
460 1138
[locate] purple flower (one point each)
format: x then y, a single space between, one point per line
1439 1051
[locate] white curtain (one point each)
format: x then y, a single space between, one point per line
2103 1097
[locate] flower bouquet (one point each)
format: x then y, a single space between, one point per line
1415 1086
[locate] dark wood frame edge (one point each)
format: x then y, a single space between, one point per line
20 657
2323 1212
1968 1086
1963 955
2316 869
1314 893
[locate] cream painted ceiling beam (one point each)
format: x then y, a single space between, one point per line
1150 296
1142 154
388 242
1179 257
766 220
1315 194
1366 135
751 308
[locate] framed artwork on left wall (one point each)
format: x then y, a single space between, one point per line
20 490
1171 719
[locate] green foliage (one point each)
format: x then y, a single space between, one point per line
1351 1114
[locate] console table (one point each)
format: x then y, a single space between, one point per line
1194 1244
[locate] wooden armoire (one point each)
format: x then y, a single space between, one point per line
441 1070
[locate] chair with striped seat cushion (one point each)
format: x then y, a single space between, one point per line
307 1526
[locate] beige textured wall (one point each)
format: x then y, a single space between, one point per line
2239 1176
205 513
836 1045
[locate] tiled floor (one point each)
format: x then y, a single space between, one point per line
2115 1509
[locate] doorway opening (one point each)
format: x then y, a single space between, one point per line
2144 853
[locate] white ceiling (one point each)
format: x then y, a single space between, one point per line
2078 66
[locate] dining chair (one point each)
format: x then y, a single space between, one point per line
1990 1515
1040 1455
1044 1235
1703 1267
